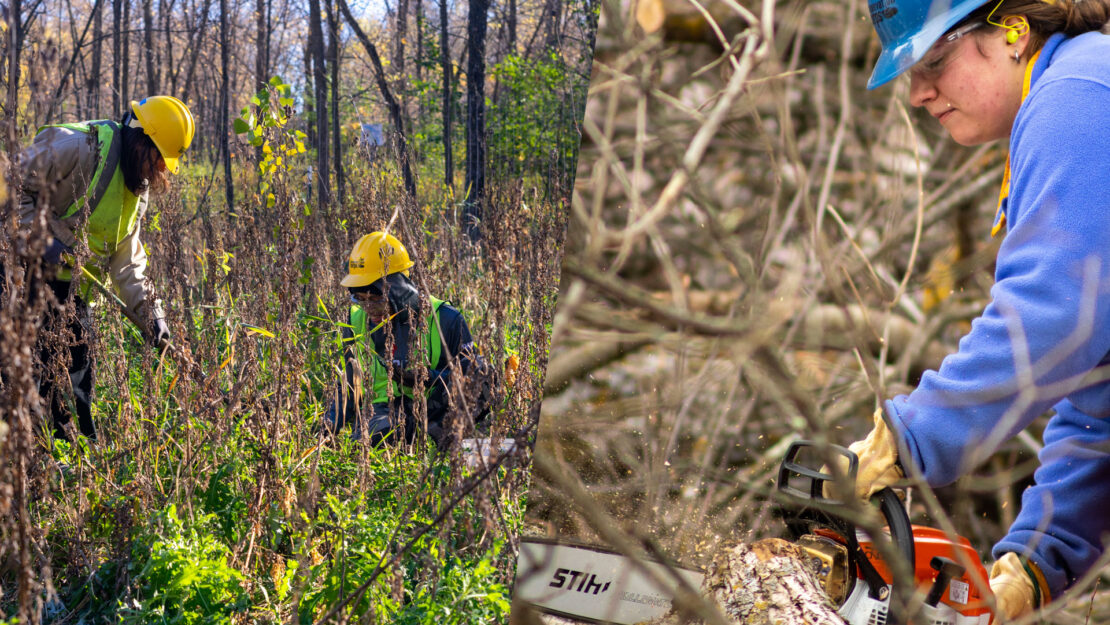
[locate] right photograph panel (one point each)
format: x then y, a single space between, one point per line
829 290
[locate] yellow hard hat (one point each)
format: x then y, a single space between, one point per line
375 256
169 123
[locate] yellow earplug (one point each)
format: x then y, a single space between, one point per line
1014 25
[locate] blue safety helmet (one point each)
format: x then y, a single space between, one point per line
908 28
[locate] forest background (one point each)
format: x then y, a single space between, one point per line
209 496
760 250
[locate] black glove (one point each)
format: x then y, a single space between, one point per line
331 421
160 334
403 376
378 428
54 251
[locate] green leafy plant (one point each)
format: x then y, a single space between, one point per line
265 124
184 577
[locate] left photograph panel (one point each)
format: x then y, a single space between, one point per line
277 280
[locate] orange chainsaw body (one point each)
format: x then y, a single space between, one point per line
946 570
966 594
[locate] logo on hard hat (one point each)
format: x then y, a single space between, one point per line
882 10
358 264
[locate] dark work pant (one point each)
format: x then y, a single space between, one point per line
63 369
385 420
52 352
387 417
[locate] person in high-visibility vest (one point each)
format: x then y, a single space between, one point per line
382 376
90 184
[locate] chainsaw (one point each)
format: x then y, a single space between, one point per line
850 568
599 585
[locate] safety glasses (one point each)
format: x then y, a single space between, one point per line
936 59
367 298
955 34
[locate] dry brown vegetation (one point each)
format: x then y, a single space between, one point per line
210 495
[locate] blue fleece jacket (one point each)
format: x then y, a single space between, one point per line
1043 342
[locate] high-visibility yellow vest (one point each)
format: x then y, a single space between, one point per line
383 387
116 214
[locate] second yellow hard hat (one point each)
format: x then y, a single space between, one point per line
375 256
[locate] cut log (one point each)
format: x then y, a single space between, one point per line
770 582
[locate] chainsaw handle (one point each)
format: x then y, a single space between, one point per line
894 512
802 482
815 480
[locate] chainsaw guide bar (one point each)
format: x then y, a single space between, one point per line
596 584
599 585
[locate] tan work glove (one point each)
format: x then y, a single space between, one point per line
878 460
1018 588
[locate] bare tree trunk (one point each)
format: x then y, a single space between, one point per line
94 80
148 43
261 58
390 102
309 106
195 38
445 61
768 582
15 520
261 44
166 66
117 66
511 26
14 45
333 60
554 23
320 95
399 36
124 61
475 117
225 68
419 55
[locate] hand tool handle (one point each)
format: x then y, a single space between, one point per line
894 511
946 570
791 470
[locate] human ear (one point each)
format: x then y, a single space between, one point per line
1016 26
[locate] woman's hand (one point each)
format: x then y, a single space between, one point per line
1015 587
878 461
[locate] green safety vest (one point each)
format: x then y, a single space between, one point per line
116 213
383 387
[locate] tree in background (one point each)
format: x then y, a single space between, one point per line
438 70
475 116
